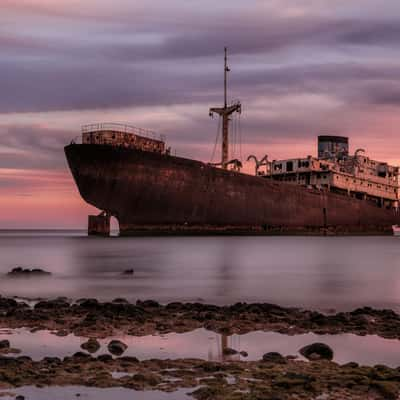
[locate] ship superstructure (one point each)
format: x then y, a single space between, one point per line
130 174
337 171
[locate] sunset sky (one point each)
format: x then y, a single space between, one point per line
300 68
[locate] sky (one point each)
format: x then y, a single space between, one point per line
299 67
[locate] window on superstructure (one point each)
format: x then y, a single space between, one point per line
289 166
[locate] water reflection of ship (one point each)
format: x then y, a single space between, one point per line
224 344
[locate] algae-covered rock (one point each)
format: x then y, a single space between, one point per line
274 357
116 347
389 390
92 345
317 351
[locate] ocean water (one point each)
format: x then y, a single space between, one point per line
324 273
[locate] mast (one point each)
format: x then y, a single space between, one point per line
226 70
225 112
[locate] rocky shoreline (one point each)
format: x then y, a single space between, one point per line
272 377
91 318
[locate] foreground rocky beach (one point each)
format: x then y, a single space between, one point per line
273 376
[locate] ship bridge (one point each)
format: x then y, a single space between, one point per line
337 171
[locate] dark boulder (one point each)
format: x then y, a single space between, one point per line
120 300
274 357
317 351
7 304
104 358
88 303
81 355
116 347
176 305
92 345
148 303
51 360
229 351
24 359
350 364
4 344
19 272
130 271
51 304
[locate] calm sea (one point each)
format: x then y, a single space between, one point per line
325 273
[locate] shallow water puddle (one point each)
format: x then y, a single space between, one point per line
208 345
88 393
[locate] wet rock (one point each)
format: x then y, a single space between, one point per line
244 353
26 272
10 350
387 389
51 304
92 345
350 364
292 379
4 344
104 358
116 347
19 397
88 303
82 356
24 359
274 357
129 360
147 378
7 303
62 333
148 303
51 360
120 300
128 272
206 392
229 351
317 351
176 305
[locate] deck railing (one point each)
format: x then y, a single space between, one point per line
111 126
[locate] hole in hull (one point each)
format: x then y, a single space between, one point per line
114 227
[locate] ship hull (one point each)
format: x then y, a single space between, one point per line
152 193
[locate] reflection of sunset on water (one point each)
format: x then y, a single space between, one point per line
208 345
